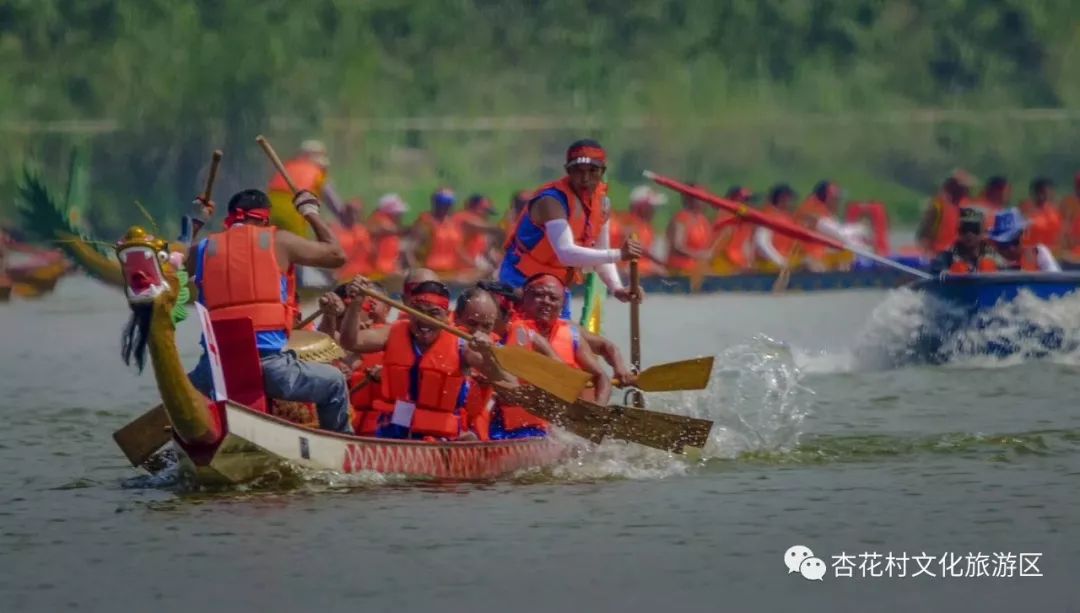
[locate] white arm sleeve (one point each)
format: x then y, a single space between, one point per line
764 244
562 243
1045 259
609 272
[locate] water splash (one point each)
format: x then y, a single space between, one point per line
910 327
754 398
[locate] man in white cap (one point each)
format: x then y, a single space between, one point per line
309 172
639 221
386 232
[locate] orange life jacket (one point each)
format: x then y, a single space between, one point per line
356 242
442 243
368 402
961 266
698 237
563 338
476 243
732 236
946 225
585 220
241 278
807 215
305 175
1044 226
781 242
387 247
438 379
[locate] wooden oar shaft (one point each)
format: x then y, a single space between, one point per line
635 317
276 161
215 161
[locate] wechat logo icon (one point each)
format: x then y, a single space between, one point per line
799 559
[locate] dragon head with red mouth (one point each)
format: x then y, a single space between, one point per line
150 284
148 266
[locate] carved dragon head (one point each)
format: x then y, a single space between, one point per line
150 280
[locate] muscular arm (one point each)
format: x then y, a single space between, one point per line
608 350
354 336
587 361
323 252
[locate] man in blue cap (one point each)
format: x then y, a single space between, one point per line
1008 229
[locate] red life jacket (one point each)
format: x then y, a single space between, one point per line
698 237
241 278
585 220
306 175
563 338
368 402
438 380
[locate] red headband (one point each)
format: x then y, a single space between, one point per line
586 154
433 299
242 215
540 277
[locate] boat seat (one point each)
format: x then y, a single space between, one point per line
240 362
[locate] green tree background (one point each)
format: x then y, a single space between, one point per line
884 96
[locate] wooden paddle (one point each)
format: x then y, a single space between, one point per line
141 438
637 397
208 189
690 374
276 161
557 378
593 422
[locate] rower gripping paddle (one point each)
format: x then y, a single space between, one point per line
674 376
559 379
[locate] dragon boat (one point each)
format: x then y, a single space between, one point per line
241 437
971 314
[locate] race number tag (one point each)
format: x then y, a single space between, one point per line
213 354
403 412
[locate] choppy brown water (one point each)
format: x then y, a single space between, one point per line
812 449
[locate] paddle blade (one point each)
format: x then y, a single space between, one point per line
577 419
561 380
675 376
658 430
144 436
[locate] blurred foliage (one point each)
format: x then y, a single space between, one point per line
723 92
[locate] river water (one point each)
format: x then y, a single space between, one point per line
821 441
